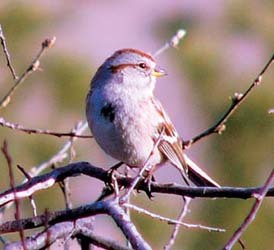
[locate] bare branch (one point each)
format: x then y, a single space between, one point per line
62 153
171 221
172 43
110 207
251 216
57 158
12 184
7 55
64 185
32 202
124 223
176 229
66 224
46 44
75 169
53 218
100 242
86 232
48 180
208 192
19 127
78 229
237 100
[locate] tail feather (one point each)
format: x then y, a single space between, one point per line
197 175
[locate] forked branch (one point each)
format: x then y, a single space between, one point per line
252 214
6 52
18 127
237 100
79 229
110 207
46 181
46 44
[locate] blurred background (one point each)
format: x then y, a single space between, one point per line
227 44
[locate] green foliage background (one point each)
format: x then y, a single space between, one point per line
242 156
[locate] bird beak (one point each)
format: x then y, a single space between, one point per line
158 72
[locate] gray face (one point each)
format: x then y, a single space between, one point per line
135 67
131 69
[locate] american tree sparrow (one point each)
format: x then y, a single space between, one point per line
126 119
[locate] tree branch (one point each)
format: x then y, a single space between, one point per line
123 221
251 216
171 221
59 156
11 177
47 180
20 128
6 52
176 228
172 43
46 44
74 169
62 154
79 229
110 207
237 100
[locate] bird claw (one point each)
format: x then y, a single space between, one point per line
111 184
147 185
111 173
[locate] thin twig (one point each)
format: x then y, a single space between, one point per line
32 202
7 55
176 228
127 227
64 185
46 44
47 180
127 210
60 156
12 184
109 207
252 214
172 43
171 221
20 128
78 229
3 240
48 236
238 98
55 217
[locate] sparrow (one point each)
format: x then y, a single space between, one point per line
127 120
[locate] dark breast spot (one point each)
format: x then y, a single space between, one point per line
108 111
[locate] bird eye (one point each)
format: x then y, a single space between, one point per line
142 65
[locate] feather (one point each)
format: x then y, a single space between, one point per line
171 146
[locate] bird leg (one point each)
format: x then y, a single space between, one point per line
111 184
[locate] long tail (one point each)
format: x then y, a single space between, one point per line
197 175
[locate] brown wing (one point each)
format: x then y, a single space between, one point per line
171 147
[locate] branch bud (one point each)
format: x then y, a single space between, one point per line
176 39
271 111
35 65
49 42
221 128
236 97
